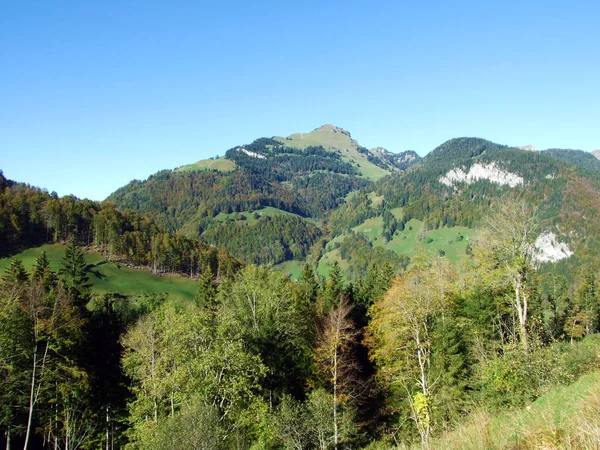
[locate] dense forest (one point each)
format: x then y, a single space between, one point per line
400 354
30 216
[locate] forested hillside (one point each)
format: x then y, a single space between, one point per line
309 175
399 356
336 188
30 217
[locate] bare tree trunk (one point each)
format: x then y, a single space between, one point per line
335 423
31 398
521 306
107 427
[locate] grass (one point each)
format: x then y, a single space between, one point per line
407 242
371 228
566 417
220 164
108 276
326 263
375 199
293 269
266 211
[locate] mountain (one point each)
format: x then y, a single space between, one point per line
435 206
596 153
322 196
272 186
578 157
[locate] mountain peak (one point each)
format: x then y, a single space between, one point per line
596 153
328 128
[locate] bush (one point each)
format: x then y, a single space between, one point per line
517 377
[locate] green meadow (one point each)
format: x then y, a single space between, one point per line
107 276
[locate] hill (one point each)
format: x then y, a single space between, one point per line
328 188
30 217
453 186
304 177
110 276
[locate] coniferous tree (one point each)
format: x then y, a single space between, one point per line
74 274
15 273
207 290
309 283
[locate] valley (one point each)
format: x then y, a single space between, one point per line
306 292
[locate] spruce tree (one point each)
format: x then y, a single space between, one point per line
74 274
207 290
309 283
15 274
42 272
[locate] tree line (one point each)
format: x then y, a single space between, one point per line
30 216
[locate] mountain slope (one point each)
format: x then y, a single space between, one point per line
454 187
308 175
363 202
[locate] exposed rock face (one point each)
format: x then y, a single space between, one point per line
379 151
249 153
529 148
480 171
596 153
548 249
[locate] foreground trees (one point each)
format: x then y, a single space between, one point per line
402 338
43 376
259 361
506 242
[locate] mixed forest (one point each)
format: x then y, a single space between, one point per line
385 350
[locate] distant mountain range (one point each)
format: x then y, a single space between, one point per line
283 199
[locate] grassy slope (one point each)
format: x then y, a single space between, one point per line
293 268
406 242
110 277
561 418
221 164
266 211
336 141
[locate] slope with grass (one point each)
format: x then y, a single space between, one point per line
567 417
107 276
219 164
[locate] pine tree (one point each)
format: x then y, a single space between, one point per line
15 274
42 272
309 283
74 274
588 300
207 290
333 288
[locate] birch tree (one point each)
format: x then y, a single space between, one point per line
505 249
400 336
335 360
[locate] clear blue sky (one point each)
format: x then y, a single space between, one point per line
96 93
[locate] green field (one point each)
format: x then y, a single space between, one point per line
293 269
220 164
249 218
327 260
443 239
375 199
407 242
371 228
108 276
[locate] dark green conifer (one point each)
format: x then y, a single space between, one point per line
74 274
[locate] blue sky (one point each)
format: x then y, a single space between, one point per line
95 94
